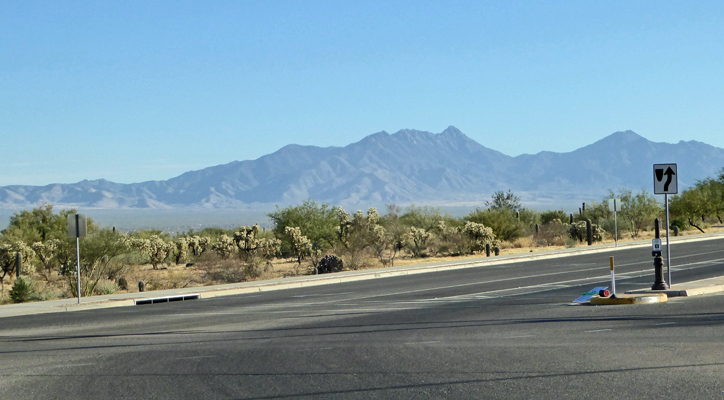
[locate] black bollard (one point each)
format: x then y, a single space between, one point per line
676 230
497 250
659 282
487 249
18 264
141 286
589 232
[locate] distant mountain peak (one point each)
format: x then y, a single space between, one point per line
627 136
452 131
407 166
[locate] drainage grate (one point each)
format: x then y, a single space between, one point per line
168 299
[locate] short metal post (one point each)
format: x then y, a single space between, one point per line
487 249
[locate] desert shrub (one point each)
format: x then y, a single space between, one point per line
451 240
680 222
106 287
318 222
23 290
524 242
553 233
547 217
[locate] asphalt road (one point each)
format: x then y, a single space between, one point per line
503 331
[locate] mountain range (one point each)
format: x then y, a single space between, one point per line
406 167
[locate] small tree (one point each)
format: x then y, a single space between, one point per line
638 210
504 201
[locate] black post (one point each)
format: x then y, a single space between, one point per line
676 230
487 249
589 232
497 250
18 264
537 228
659 282
571 219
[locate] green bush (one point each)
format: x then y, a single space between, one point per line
23 290
547 217
503 222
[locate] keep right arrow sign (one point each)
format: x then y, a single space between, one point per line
665 179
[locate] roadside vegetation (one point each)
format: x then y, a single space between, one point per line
314 238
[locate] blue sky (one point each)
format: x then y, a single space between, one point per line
134 91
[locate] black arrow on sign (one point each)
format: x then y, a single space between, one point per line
669 177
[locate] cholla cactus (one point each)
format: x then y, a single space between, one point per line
480 235
8 257
198 244
224 247
46 253
577 230
268 248
250 246
182 249
417 240
301 246
155 248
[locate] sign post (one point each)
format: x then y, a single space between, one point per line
77 229
614 205
666 182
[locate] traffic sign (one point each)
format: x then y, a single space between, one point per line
77 225
614 205
656 245
665 179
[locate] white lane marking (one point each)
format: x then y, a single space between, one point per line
599 330
518 337
430 342
321 294
193 358
666 323
70 365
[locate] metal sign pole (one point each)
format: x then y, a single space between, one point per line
615 224
668 245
